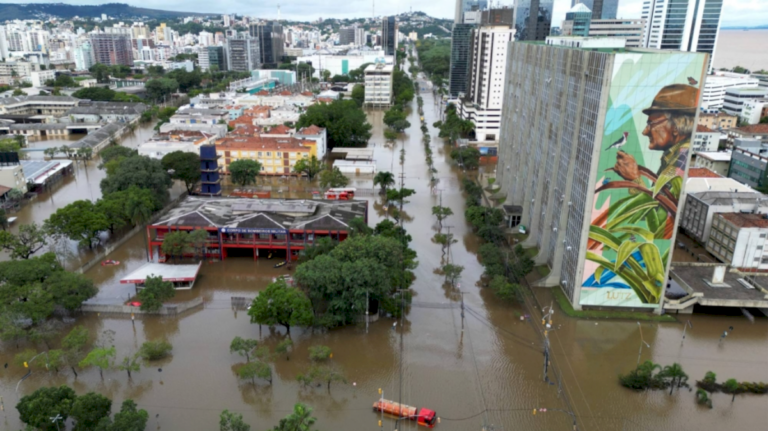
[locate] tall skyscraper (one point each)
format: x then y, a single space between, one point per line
84 56
271 42
461 51
685 25
601 9
463 6
112 49
213 56
484 98
577 21
3 43
389 35
533 19
243 54
591 136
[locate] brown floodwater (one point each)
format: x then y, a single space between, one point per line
484 370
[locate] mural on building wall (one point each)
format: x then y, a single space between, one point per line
649 123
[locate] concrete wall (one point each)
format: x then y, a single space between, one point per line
165 310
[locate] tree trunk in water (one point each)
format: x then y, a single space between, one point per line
734 397
73 370
247 358
129 374
101 372
672 387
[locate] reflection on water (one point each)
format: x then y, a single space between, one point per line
490 360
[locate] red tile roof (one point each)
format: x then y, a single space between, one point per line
746 220
256 143
245 130
286 93
325 100
703 129
280 129
311 130
242 120
755 129
263 93
702 173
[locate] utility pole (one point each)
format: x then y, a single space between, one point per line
685 327
642 342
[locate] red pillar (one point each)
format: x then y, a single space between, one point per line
149 245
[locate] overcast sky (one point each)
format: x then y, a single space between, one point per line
735 12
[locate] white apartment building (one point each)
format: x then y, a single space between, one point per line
740 240
22 69
718 161
753 110
716 85
378 84
705 139
630 29
38 78
684 25
488 65
735 98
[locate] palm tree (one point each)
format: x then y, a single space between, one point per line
675 373
646 370
385 180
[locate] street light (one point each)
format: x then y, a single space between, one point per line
642 341
685 327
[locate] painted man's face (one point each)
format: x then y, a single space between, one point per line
660 132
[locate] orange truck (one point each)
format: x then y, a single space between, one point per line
422 416
340 194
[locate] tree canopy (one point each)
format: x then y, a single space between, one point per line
79 221
244 171
37 409
141 172
309 167
184 166
155 292
283 305
344 120
330 178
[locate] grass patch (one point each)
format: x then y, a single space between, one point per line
532 252
565 305
520 237
543 270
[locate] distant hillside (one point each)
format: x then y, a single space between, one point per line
11 11
759 27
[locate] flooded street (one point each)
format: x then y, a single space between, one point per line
486 370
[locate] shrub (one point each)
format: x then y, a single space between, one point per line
153 350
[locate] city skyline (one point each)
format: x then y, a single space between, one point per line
735 13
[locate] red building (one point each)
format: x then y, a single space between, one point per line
254 227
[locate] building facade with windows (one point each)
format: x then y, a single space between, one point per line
277 155
558 149
705 139
700 208
716 161
213 56
461 55
488 64
601 9
717 120
736 97
533 19
740 240
748 168
629 29
378 84
684 25
389 35
112 49
243 54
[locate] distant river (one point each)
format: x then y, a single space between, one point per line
742 48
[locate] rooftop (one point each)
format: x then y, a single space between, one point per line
714 114
705 184
32 99
259 142
202 111
753 129
704 129
715 156
169 273
746 220
311 130
703 173
39 171
756 91
580 7
728 198
269 214
113 108
696 279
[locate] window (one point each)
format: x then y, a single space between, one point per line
279 154
762 235
259 154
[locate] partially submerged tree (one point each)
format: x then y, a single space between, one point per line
255 370
154 293
232 422
282 305
243 347
100 357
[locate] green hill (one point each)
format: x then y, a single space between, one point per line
11 11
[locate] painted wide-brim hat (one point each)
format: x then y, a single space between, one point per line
678 98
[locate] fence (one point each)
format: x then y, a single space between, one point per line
165 310
128 235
